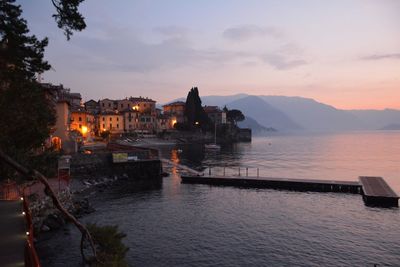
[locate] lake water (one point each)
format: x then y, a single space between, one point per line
199 225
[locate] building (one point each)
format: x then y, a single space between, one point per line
131 120
92 106
60 133
111 121
215 114
144 105
106 105
176 111
83 122
75 99
164 123
124 104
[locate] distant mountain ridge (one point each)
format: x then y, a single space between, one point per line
291 114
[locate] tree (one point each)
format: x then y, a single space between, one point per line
27 115
234 115
108 241
194 112
68 17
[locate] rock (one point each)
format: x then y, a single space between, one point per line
44 228
53 221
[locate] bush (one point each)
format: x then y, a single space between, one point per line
108 241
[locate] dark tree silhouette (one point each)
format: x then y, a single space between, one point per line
194 112
68 17
26 114
234 115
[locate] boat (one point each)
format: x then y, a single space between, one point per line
213 146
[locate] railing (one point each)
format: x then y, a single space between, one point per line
232 171
31 257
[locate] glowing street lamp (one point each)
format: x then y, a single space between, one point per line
84 130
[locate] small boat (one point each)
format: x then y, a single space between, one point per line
213 146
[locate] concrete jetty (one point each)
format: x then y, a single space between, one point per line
375 190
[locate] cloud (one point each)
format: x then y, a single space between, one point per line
281 62
172 31
382 56
247 32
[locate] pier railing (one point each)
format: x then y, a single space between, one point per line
228 171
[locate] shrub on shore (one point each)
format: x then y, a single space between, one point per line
108 241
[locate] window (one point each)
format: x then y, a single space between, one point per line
110 126
130 119
110 118
109 105
80 118
117 119
104 118
80 126
104 126
102 104
117 125
122 105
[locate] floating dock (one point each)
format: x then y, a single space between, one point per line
375 190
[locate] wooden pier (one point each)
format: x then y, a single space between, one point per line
375 190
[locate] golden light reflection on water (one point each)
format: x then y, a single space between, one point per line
175 160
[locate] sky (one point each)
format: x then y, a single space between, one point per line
343 53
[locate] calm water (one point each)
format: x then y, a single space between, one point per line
198 225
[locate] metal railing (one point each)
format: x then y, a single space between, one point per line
232 171
31 257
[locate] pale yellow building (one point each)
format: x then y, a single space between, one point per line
111 121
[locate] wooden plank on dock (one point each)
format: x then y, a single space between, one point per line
377 192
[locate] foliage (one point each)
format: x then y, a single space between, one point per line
26 112
68 17
21 55
110 249
234 115
194 111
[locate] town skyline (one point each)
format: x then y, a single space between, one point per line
341 54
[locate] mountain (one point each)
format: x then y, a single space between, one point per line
378 119
391 127
263 113
298 113
315 116
255 127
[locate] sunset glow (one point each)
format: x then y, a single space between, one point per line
342 53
